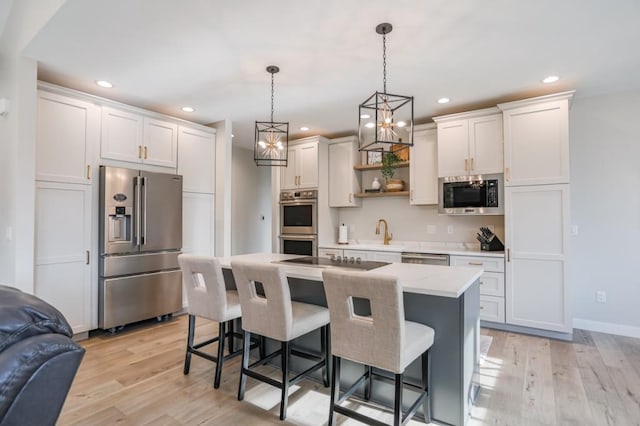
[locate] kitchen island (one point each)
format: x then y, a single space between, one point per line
442 297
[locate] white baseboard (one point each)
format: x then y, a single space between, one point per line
607 327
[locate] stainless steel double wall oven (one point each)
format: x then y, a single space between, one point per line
299 222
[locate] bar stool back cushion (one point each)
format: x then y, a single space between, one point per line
273 315
384 339
269 315
207 298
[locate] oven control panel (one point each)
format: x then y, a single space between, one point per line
311 194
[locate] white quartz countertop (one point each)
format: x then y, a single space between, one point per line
446 281
455 249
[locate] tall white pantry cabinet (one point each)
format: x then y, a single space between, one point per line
76 133
537 221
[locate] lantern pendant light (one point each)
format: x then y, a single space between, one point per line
385 120
271 145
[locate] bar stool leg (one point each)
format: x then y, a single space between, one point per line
426 385
220 361
187 358
231 337
284 400
369 383
397 405
324 347
335 388
245 364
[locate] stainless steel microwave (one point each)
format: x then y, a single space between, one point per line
481 195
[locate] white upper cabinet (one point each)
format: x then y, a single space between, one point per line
423 166
67 130
121 135
302 166
160 143
536 137
127 136
470 143
344 181
196 160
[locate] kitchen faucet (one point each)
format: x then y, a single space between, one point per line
387 236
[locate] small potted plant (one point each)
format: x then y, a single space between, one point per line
390 161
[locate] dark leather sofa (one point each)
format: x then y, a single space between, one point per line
38 359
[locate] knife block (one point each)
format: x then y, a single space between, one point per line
494 245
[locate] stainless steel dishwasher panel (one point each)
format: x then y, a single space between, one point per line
426 258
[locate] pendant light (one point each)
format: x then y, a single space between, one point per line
385 120
271 145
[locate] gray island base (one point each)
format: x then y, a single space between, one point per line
455 318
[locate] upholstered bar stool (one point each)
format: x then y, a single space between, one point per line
383 340
208 298
275 316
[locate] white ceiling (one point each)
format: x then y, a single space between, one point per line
163 54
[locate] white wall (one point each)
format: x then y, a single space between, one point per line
605 204
410 223
251 204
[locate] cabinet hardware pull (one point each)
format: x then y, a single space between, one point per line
507 172
466 164
89 171
88 257
411 197
139 151
145 152
481 307
350 198
472 167
508 255
475 263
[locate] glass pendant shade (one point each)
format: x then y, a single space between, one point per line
271 144
385 120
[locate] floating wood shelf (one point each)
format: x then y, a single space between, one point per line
379 166
382 194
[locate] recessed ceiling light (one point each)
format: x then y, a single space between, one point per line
401 124
232 135
365 116
304 128
104 83
444 100
187 109
369 125
550 79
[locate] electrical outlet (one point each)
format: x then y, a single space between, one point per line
601 296
8 235
431 229
574 229
450 229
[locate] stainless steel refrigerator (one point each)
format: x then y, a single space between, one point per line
140 240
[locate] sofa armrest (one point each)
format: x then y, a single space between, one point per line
35 376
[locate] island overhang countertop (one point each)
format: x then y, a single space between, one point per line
445 281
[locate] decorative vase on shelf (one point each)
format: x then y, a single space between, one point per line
394 185
375 185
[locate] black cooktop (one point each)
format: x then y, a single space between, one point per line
350 263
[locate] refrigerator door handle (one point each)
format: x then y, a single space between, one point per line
143 213
136 207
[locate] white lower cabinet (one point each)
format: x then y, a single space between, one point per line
492 302
537 236
63 272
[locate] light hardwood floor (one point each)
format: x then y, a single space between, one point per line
135 378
